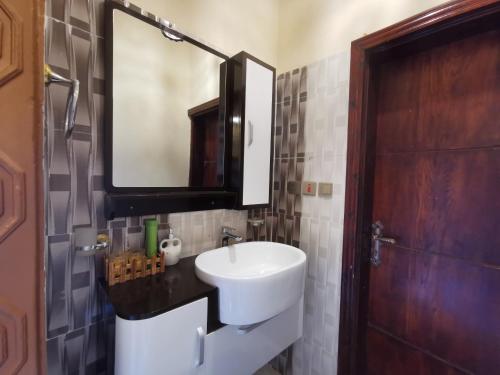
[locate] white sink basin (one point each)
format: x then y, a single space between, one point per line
256 280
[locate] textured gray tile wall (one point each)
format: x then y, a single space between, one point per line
80 324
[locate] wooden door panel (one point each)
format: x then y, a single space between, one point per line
393 358
442 202
390 302
444 305
395 201
441 98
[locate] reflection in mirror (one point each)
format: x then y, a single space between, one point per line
168 120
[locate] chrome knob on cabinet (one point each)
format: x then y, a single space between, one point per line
377 239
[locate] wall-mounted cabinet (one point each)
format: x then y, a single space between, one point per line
187 127
251 119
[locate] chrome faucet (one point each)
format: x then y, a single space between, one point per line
226 235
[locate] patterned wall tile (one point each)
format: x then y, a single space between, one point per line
58 211
285 126
80 177
88 351
100 342
278 133
87 15
58 285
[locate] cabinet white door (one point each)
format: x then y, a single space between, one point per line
258 133
171 343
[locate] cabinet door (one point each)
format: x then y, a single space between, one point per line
259 84
170 343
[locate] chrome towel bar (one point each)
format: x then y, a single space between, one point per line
71 104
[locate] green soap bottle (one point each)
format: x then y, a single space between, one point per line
151 237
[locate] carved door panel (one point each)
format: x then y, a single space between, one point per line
22 335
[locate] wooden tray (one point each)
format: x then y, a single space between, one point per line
132 265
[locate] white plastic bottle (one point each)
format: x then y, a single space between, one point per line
171 247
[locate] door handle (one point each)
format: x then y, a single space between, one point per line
201 346
250 133
377 239
71 104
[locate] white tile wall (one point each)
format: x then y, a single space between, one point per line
321 226
201 231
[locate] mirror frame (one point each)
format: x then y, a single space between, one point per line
133 201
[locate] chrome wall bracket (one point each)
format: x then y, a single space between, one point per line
102 244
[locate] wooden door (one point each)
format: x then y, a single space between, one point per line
434 301
204 163
22 337
432 178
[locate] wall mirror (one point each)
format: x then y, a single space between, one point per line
167 109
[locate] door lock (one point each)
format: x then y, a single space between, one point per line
377 239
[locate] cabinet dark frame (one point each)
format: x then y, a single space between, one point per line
134 201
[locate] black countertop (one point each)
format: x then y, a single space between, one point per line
154 295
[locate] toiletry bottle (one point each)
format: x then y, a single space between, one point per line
171 247
151 241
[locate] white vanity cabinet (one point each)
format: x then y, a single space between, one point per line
251 85
174 343
169 343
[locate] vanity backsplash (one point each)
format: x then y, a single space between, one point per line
199 231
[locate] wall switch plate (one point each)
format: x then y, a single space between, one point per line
293 187
309 188
325 189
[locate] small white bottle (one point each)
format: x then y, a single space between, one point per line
171 247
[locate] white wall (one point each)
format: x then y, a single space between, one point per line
229 25
314 29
